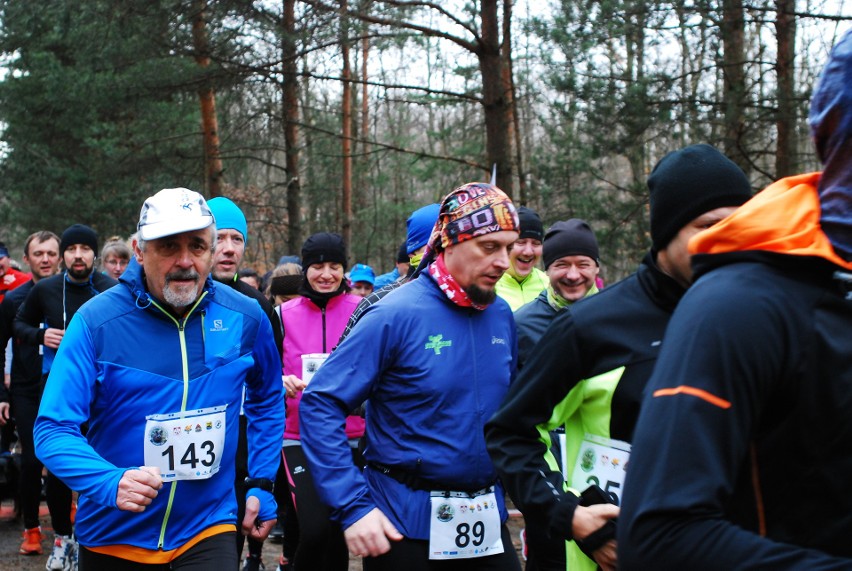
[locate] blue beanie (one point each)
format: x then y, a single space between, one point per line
420 225
831 127
228 215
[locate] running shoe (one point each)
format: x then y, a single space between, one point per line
64 555
32 542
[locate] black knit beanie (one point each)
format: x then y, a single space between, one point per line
402 254
572 237
531 226
687 183
323 247
79 234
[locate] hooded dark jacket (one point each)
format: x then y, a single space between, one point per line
741 453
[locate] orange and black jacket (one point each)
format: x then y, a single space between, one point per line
741 455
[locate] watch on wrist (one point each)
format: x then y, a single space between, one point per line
264 484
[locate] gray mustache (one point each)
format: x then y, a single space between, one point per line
184 275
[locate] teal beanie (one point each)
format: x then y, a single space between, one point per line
228 215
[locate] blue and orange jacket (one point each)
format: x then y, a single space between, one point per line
740 458
736 460
123 358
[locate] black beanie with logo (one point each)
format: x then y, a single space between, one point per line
323 247
687 183
531 226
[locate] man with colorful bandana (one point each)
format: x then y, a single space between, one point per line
429 497
157 367
740 459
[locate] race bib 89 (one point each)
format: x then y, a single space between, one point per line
464 525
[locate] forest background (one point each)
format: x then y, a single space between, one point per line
346 116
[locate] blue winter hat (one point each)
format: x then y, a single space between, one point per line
831 127
362 273
420 225
290 259
228 215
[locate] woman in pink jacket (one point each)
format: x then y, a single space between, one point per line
313 323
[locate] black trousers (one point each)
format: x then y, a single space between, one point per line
25 402
216 552
321 543
413 555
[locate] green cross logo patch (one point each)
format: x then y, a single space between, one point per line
436 343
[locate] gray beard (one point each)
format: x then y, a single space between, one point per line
181 297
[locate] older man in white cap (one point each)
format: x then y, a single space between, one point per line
157 369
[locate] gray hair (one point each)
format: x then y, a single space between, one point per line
142 244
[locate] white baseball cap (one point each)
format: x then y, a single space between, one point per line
173 211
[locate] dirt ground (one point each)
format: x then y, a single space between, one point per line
10 540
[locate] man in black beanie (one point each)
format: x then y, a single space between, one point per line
748 407
523 281
53 301
571 262
588 372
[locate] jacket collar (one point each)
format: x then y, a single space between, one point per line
133 279
663 290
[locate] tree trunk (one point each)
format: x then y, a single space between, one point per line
213 172
291 128
495 99
733 73
362 187
635 100
785 29
346 130
509 86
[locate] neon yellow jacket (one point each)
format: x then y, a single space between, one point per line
518 293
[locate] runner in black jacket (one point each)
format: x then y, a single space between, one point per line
590 368
41 253
41 322
741 457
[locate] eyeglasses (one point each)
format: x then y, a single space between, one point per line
116 262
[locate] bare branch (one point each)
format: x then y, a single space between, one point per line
425 30
419 154
456 94
437 8
830 17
